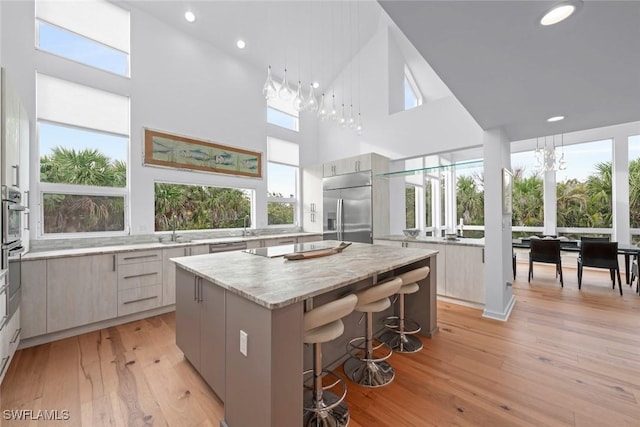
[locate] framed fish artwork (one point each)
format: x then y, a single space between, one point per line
164 149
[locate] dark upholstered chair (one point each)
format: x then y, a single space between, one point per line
593 239
599 254
547 251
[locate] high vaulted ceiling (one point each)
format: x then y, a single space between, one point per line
510 72
506 69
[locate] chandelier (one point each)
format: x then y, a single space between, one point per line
547 159
324 107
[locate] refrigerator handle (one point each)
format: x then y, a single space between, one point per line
339 219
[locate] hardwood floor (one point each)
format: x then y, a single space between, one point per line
564 358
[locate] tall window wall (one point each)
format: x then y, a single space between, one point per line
528 195
634 188
584 189
283 182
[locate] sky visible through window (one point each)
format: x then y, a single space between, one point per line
410 98
75 47
52 136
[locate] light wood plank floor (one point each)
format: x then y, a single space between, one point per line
564 358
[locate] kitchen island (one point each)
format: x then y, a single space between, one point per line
239 319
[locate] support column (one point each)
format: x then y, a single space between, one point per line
499 299
620 197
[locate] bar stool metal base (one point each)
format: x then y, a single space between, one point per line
369 374
402 343
336 416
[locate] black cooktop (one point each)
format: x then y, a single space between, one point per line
276 251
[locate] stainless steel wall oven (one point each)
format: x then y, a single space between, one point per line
12 248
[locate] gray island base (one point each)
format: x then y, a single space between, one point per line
239 320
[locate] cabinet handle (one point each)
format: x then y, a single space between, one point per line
26 196
114 262
3 323
140 299
4 288
15 337
17 180
285 242
195 288
140 257
5 360
140 275
28 216
199 289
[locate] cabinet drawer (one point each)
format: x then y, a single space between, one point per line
139 256
139 299
139 275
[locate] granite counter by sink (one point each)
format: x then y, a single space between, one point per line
438 240
275 282
100 250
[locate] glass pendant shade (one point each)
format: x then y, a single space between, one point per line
342 122
322 109
562 164
269 89
351 122
359 127
333 113
285 93
298 100
312 101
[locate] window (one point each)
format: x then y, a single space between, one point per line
282 185
412 95
470 197
281 113
200 207
410 192
95 33
528 193
282 119
583 189
83 145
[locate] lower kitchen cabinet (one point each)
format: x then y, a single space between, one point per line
10 335
34 298
200 311
169 269
465 275
81 290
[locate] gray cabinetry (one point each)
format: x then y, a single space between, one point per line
169 269
81 290
34 298
139 281
200 327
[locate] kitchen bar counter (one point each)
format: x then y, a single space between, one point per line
276 282
101 250
239 320
462 241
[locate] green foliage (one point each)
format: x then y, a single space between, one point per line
410 202
280 213
199 207
65 213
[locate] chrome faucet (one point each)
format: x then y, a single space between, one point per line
174 225
244 224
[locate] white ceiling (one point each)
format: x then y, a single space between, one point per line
510 72
507 70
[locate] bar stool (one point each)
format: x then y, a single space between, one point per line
363 367
400 335
323 408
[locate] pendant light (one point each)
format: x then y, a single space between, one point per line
322 109
298 101
312 101
285 93
269 89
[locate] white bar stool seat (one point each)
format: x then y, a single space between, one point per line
363 367
322 324
400 335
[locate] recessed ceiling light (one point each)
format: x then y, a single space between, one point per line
316 85
555 118
189 16
241 44
558 13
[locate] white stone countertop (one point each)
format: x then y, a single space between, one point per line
275 282
428 239
100 250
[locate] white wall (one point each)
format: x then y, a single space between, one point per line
438 125
178 84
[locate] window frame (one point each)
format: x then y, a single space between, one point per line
295 119
282 200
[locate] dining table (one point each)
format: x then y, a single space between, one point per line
568 245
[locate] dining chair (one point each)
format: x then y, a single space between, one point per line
635 274
599 254
593 239
546 251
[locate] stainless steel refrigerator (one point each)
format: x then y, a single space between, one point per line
347 207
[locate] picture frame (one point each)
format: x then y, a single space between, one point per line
181 152
507 191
